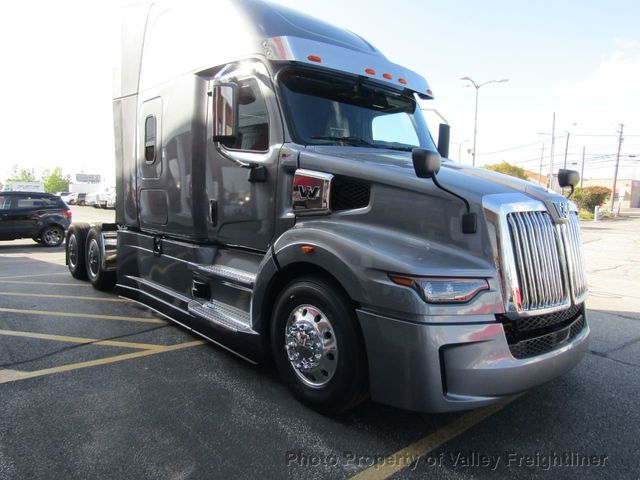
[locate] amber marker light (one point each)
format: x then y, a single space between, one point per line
370 71
387 76
308 249
314 58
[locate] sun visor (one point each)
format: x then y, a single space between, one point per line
296 49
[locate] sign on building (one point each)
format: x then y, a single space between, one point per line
87 178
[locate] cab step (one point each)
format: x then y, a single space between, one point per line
231 275
221 314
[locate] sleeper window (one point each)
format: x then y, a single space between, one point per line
253 120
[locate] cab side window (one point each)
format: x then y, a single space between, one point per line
5 202
253 119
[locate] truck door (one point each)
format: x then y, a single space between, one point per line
241 174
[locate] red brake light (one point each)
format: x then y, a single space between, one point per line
68 214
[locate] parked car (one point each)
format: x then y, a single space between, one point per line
100 199
41 216
70 198
110 200
92 199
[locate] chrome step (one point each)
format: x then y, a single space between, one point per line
226 316
230 274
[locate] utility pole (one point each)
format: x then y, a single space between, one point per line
553 143
566 149
582 168
615 174
541 157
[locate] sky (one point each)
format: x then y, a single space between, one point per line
579 59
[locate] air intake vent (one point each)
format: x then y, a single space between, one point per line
347 194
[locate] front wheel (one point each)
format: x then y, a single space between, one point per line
317 345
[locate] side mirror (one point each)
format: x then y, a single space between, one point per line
444 133
225 111
425 162
568 178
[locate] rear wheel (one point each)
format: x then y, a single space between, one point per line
317 345
76 242
51 236
99 278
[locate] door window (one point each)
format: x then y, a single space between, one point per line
5 202
253 119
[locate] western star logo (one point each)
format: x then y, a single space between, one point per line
562 209
308 192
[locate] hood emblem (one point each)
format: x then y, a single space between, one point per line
562 209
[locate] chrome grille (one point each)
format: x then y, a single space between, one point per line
575 259
537 260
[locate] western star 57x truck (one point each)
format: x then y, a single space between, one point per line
279 193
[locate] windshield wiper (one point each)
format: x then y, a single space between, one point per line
348 140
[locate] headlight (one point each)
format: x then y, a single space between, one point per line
443 290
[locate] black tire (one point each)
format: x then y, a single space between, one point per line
100 279
51 236
75 250
348 384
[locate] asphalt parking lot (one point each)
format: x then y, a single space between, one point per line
92 385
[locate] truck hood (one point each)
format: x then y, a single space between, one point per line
396 168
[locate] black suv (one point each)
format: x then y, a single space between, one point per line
41 216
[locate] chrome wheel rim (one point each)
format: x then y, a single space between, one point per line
94 258
52 236
311 346
73 251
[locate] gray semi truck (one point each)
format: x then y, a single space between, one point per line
279 193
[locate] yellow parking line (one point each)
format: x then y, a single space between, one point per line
7 376
5 277
83 315
58 284
66 297
93 341
403 458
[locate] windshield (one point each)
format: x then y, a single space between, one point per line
331 109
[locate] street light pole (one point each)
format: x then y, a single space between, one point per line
475 118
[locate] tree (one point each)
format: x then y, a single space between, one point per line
588 198
55 181
509 169
21 175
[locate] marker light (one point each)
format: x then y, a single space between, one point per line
314 58
402 81
387 76
429 92
443 290
370 71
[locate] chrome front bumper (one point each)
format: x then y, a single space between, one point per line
447 367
